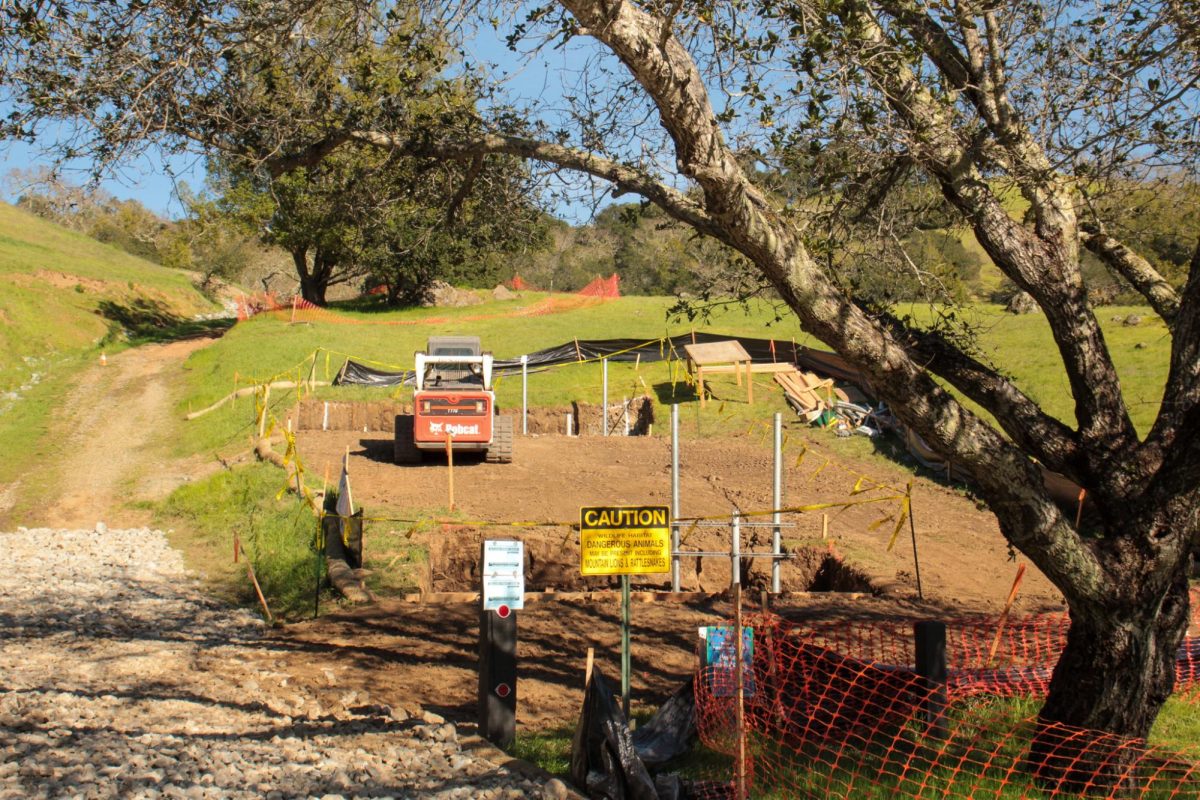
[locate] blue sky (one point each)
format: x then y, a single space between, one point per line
152 178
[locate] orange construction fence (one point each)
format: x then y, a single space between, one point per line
836 710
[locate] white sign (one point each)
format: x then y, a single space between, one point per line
503 575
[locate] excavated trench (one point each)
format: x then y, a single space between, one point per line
552 564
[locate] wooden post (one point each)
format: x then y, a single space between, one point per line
1008 604
237 545
257 589
824 527
450 467
292 321
262 418
739 687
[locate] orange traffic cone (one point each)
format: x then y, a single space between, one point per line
103 360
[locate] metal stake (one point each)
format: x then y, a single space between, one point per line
626 660
604 402
777 500
524 395
674 497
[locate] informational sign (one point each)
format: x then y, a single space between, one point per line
720 655
503 571
624 540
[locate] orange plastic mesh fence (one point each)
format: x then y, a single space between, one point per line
299 310
835 710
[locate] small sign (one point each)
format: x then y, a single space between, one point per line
624 540
503 571
720 655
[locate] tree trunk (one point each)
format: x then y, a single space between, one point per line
1115 673
314 282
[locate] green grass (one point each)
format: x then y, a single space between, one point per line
277 532
63 296
58 290
1022 347
840 769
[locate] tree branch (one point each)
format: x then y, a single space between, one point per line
625 178
1005 474
1039 434
1182 394
468 183
1135 269
1042 262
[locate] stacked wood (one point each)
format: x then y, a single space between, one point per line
808 394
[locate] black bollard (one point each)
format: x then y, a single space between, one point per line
930 639
498 675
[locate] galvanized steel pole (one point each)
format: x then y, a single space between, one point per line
604 403
777 500
674 497
524 395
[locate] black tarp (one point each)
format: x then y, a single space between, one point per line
353 373
763 351
671 731
609 763
604 762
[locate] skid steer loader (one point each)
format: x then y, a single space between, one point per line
453 400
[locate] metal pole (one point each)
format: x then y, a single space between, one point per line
738 655
736 546
913 530
524 395
674 497
604 402
777 500
626 660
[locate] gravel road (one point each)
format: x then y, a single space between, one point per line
118 678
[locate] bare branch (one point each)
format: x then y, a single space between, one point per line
1135 269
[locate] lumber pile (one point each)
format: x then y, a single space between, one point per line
808 394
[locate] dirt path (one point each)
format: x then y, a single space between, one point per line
114 427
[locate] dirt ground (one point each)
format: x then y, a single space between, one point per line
425 652
414 654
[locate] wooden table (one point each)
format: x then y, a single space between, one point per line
719 357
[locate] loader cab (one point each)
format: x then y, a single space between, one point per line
457 376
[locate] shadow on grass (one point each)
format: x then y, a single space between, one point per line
145 321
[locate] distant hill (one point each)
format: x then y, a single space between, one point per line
63 292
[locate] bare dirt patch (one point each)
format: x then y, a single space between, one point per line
427 653
111 430
964 561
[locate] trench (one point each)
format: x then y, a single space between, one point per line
552 564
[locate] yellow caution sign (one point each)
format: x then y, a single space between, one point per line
624 540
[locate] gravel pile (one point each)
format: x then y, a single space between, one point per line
119 679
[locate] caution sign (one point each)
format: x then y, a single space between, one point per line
624 540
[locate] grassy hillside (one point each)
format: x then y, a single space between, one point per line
61 296
61 293
265 347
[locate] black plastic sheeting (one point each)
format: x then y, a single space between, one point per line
604 763
609 763
671 731
353 373
762 351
